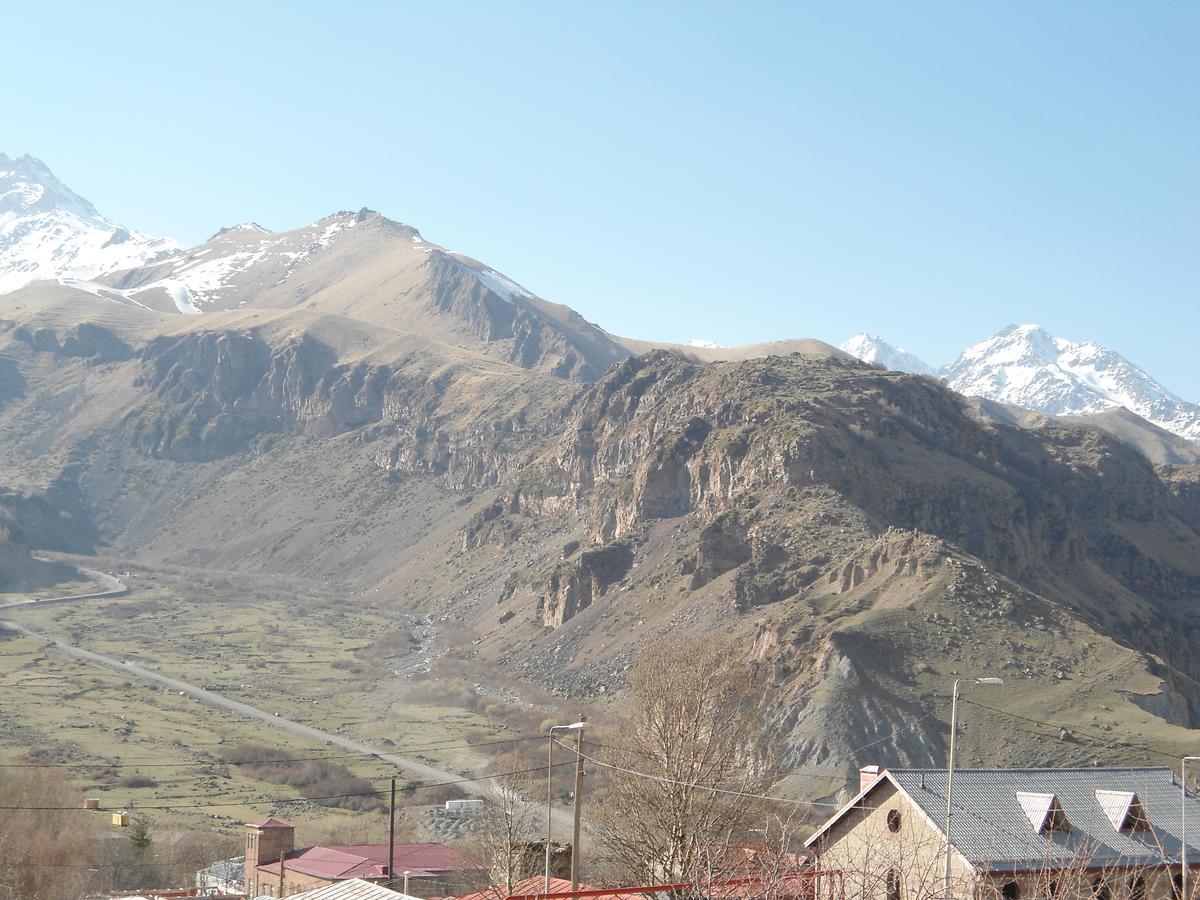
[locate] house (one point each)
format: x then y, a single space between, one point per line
225 876
1016 834
275 868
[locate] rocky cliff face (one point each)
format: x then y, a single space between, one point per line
786 465
215 393
860 535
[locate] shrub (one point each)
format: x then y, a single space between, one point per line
328 783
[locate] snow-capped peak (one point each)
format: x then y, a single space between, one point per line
49 231
879 352
1027 366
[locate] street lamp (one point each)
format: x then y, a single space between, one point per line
1183 824
574 726
950 776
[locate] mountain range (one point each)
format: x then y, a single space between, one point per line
49 231
1025 366
405 427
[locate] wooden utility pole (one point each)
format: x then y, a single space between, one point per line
578 806
392 835
282 854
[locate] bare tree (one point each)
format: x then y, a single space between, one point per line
684 764
504 833
49 853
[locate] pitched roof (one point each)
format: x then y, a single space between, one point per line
370 860
1123 809
992 828
271 823
1044 811
352 889
533 885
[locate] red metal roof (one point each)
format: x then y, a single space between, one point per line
799 886
370 860
534 885
271 823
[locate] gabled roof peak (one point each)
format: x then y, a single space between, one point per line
1044 812
1124 810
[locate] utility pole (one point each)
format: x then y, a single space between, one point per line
392 835
282 854
578 806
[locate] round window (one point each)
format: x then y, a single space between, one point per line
893 820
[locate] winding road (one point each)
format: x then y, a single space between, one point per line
115 588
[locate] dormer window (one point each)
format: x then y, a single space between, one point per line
1124 810
1044 811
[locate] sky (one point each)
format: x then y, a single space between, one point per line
733 172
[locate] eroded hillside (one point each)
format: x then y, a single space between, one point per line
862 536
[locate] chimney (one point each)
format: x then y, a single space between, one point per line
867 775
265 841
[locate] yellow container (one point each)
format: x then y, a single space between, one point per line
91 803
120 819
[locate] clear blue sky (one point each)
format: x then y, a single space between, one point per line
735 172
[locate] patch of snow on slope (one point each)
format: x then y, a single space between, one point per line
177 291
705 345
498 284
102 291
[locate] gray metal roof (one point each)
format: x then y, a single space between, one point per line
993 829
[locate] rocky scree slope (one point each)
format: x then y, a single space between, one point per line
787 470
745 499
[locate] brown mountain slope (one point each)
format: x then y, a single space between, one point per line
379 272
860 534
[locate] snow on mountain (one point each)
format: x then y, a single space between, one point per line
49 231
705 345
879 352
232 265
1026 366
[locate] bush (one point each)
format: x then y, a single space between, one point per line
328 783
138 781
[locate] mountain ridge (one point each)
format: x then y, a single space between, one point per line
1026 366
47 230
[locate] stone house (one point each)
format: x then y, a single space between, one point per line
1016 834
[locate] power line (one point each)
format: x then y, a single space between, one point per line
278 802
1095 739
377 754
693 784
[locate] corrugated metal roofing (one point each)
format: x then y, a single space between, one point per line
992 829
353 889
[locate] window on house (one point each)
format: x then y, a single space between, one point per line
1051 889
1011 891
1100 890
893 885
1177 885
893 820
1137 890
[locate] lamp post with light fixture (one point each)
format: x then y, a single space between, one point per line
950 776
574 726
